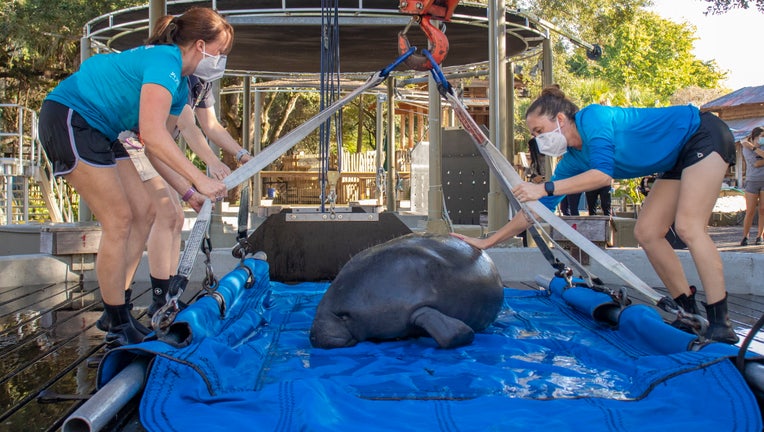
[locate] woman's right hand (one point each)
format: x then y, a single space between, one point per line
213 189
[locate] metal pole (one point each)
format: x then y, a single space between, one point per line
246 129
85 214
435 210
510 107
157 9
380 140
216 230
498 204
257 134
390 186
101 408
546 80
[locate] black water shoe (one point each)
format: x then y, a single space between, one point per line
720 327
104 323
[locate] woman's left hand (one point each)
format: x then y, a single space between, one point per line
529 191
218 170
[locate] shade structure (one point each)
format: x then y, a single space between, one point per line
284 36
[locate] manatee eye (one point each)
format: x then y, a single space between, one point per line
343 316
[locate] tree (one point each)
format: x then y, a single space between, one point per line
650 52
42 44
718 7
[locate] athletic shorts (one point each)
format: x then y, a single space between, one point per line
67 138
713 135
755 187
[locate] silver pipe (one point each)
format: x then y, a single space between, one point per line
754 376
94 414
543 281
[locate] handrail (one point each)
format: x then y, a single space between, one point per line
27 159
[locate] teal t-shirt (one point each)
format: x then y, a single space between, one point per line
106 90
627 143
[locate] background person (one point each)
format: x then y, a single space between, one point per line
603 195
754 183
569 204
80 120
600 143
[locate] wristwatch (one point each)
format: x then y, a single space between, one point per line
240 154
549 188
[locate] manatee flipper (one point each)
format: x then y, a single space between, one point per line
447 331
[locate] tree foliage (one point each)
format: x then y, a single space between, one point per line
42 44
655 54
718 7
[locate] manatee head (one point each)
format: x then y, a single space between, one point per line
330 329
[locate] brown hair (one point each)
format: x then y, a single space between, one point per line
551 102
756 132
195 24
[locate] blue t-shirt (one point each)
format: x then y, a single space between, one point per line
627 142
106 90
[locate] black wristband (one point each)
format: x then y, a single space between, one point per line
549 188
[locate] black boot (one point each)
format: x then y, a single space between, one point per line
690 306
719 325
121 330
159 288
104 322
159 295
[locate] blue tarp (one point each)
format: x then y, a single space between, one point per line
545 364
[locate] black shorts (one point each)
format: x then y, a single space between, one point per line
713 135
67 138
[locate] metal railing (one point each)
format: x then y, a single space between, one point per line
28 191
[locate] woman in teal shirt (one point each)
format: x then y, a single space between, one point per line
144 88
599 143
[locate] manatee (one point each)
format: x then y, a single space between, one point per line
411 286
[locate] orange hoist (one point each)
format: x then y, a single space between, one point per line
423 12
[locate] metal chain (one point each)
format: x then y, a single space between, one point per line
210 282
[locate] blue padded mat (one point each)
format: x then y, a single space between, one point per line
544 364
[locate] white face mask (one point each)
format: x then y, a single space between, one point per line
761 140
211 67
552 143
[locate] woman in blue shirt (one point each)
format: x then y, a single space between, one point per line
143 88
599 143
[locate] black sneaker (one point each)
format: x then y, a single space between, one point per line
759 240
744 242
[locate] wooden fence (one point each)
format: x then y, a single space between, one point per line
298 180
